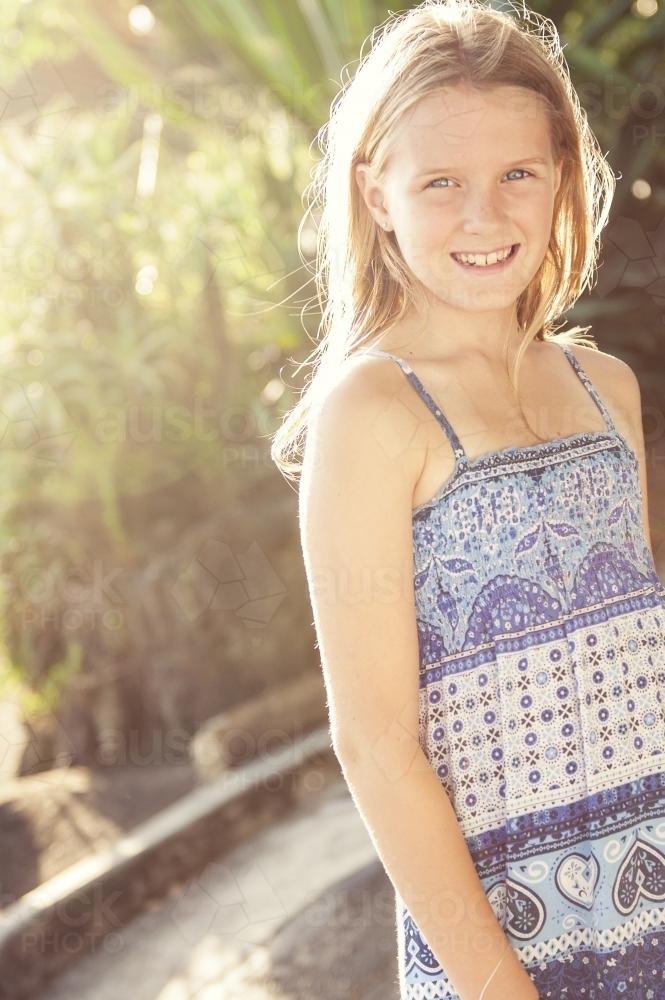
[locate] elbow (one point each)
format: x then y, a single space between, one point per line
344 748
388 755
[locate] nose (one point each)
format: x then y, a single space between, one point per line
482 211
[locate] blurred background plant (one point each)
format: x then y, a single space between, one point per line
154 158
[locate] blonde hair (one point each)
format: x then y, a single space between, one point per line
363 284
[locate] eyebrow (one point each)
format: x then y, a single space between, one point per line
514 163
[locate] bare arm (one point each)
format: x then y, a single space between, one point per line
356 496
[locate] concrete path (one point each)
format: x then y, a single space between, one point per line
220 928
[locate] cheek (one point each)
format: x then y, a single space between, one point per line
427 224
539 210
426 254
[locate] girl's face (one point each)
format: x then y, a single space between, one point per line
469 171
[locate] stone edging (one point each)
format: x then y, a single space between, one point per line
65 917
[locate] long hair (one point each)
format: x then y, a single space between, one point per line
363 284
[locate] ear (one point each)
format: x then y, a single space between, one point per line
373 194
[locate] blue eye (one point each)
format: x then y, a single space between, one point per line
515 170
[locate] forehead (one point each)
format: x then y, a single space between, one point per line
462 123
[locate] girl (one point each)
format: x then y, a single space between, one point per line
489 616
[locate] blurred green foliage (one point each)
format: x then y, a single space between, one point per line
150 208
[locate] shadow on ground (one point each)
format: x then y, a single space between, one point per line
343 944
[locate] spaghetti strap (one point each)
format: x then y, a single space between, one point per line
432 405
593 392
444 423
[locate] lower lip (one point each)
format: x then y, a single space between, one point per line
501 265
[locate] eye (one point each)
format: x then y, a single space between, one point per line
515 170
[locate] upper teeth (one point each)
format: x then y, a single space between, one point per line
481 258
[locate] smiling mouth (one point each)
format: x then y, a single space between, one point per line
480 265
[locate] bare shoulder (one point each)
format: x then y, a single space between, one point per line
364 426
612 376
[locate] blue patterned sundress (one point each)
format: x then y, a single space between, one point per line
541 629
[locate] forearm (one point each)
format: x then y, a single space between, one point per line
417 836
